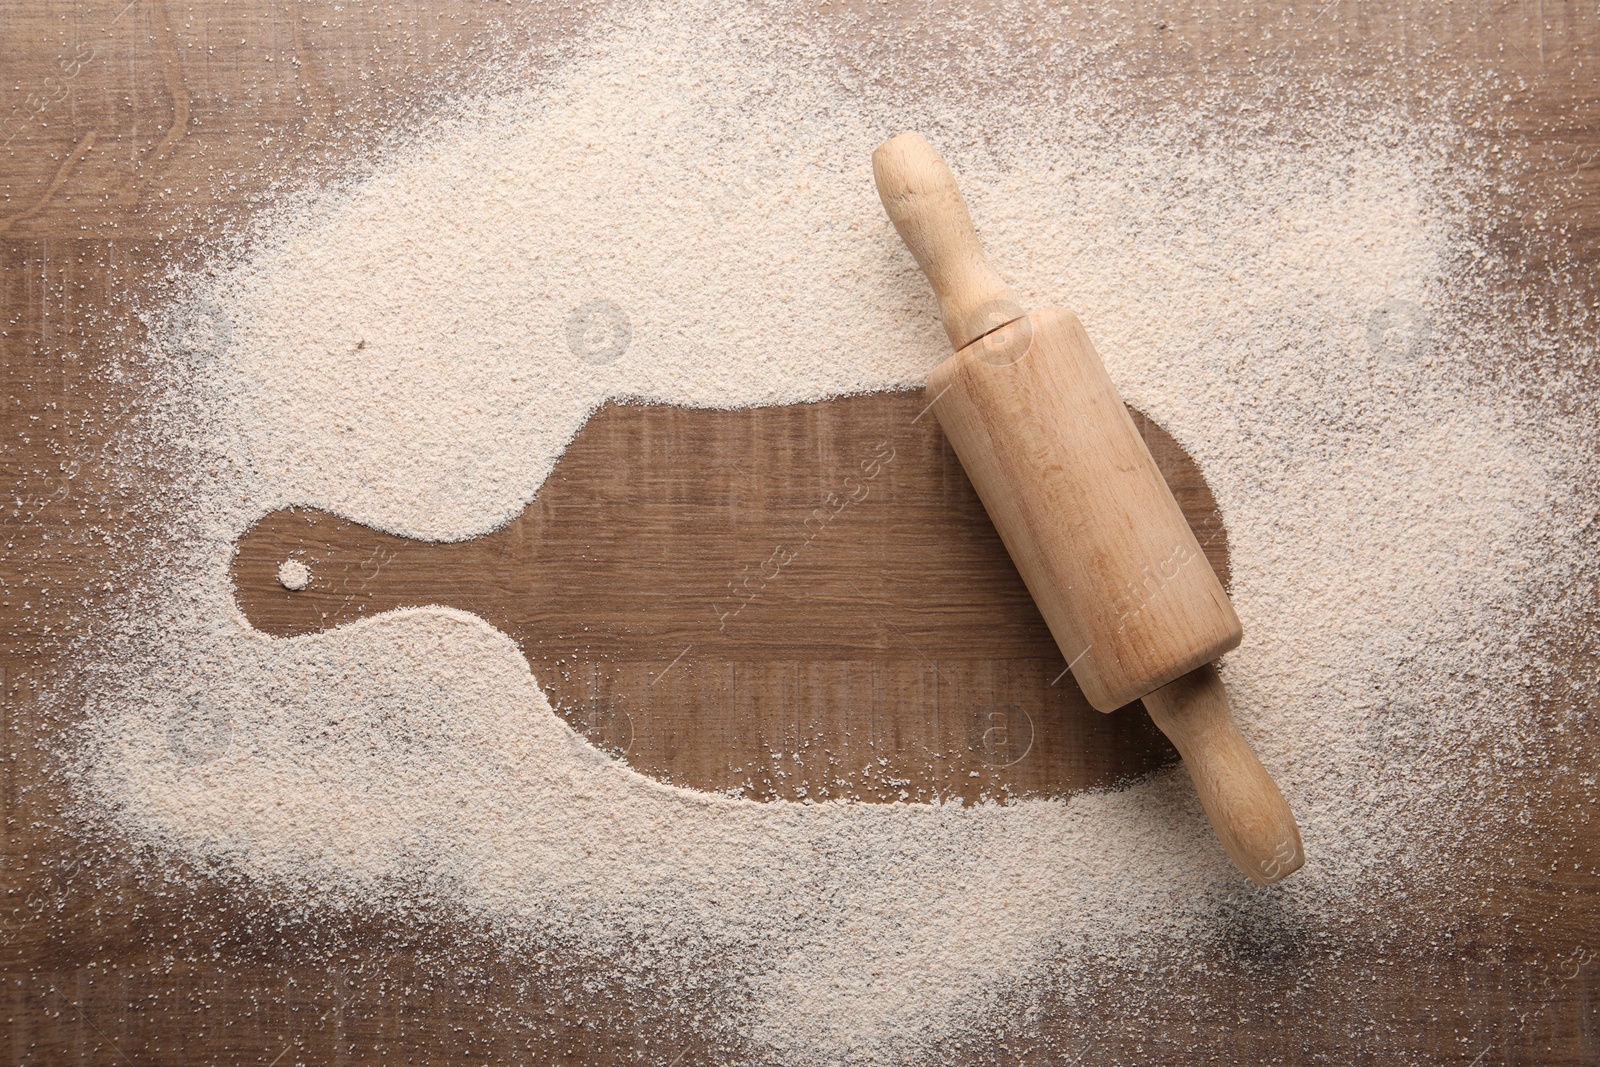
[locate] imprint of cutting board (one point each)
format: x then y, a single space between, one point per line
801 601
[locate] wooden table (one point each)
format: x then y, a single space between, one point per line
115 122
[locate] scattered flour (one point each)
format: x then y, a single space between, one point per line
414 350
294 575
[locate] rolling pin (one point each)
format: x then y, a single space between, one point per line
1086 516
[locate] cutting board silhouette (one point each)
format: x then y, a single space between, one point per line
791 602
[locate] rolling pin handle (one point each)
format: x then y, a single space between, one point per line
1249 814
921 197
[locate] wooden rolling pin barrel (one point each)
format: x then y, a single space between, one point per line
1088 520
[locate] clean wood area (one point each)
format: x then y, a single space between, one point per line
818 580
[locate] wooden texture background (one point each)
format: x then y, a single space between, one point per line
116 121
892 631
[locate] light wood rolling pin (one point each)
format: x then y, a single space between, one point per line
1088 519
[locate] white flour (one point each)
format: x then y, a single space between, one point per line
682 216
294 575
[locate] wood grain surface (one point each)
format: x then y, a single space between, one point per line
845 602
137 134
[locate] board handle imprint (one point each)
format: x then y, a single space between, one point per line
924 202
1246 809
